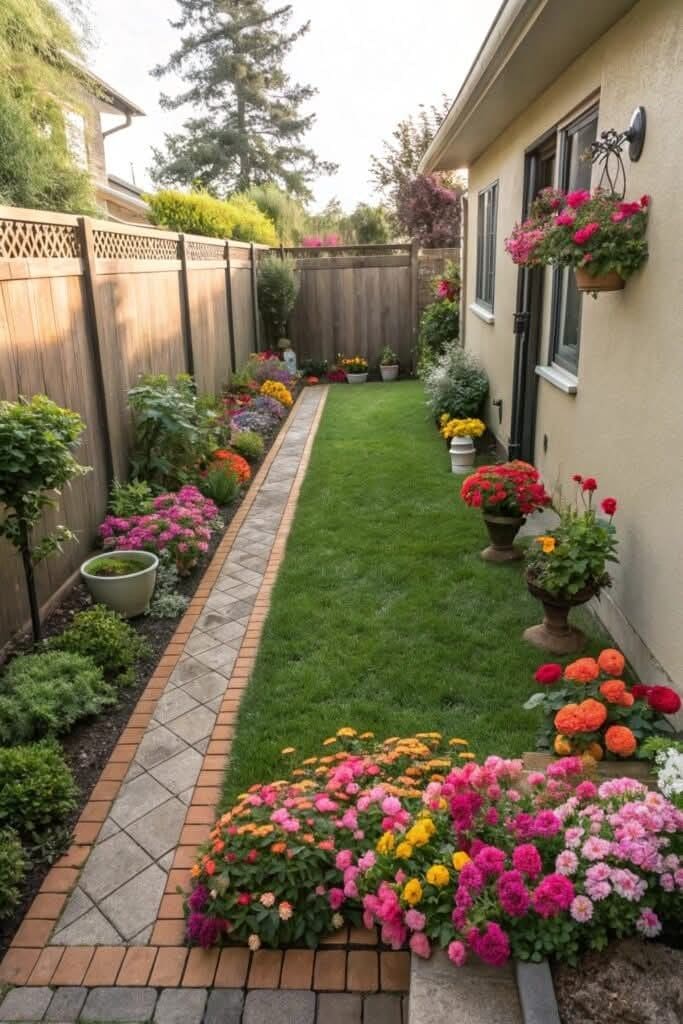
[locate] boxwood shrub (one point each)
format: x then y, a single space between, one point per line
37 792
103 636
12 870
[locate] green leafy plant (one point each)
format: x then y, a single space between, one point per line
456 384
277 291
131 499
314 367
220 484
172 431
37 793
199 213
115 565
439 327
37 442
12 871
103 636
44 694
248 444
388 357
166 602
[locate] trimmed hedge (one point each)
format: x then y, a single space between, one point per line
37 791
198 213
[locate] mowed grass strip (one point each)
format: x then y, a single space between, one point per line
384 617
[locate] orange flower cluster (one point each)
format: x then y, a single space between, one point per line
620 740
587 716
584 670
614 691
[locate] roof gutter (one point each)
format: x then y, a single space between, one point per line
128 120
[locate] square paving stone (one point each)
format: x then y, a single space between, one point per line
134 770
93 929
180 1006
25 1004
220 658
210 620
159 744
136 799
230 634
135 905
123 1005
179 772
172 704
193 726
186 670
199 642
224 1007
109 829
382 1009
205 688
261 1007
77 904
186 798
66 1004
159 831
341 1008
142 938
112 863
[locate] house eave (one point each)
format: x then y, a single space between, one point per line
529 44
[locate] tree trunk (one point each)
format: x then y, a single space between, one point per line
25 548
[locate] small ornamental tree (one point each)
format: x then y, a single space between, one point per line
430 211
37 441
277 291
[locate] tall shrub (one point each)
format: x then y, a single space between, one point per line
455 384
37 442
430 211
198 213
277 291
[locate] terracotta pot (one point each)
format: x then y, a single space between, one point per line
555 633
609 282
502 532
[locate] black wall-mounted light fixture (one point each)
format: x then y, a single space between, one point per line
607 151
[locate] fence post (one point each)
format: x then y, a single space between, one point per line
254 298
95 332
414 294
185 302
231 318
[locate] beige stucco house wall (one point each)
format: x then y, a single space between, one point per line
624 424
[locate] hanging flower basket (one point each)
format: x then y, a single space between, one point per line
609 282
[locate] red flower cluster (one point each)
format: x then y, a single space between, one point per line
660 698
513 489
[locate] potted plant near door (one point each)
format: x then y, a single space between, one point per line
568 566
123 580
506 495
388 364
460 434
356 369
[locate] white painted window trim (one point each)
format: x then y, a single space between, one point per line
483 314
559 378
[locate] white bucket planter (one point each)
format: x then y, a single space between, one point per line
389 372
356 378
462 454
128 595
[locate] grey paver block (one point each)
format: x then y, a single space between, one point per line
159 744
134 770
186 796
199 642
265 1007
480 993
109 828
123 1005
142 938
231 631
224 1007
93 929
382 1009
180 1006
340 1008
210 620
178 772
166 861
135 905
186 670
172 704
536 993
135 799
205 688
112 863
193 726
77 905
25 1004
159 831
223 602
66 1004
202 745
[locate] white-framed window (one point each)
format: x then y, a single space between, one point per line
487 216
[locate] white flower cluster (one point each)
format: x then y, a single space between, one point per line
670 772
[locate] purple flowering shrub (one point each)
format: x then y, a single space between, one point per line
264 403
179 528
251 419
261 370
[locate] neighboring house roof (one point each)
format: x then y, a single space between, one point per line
106 93
529 44
121 185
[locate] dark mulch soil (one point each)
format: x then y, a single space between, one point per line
89 744
631 982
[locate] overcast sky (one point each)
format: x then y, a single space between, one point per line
373 62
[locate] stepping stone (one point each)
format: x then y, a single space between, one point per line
179 772
482 994
109 829
230 634
172 704
25 1004
93 929
112 863
261 1007
199 642
77 905
66 1004
224 1007
119 1004
138 797
193 726
186 670
159 831
205 688
159 744
180 1006
135 905
210 620
142 938
219 658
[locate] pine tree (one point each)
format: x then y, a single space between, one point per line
251 127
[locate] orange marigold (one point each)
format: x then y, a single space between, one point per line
594 714
613 690
620 740
569 720
611 662
584 670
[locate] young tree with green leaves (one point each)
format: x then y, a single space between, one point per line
370 225
249 128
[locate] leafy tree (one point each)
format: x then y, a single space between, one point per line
250 129
201 214
430 211
36 168
285 211
370 225
277 291
400 158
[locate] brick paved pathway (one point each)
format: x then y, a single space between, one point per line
103 940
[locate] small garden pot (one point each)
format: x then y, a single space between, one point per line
462 454
389 372
555 633
356 378
128 594
502 532
609 282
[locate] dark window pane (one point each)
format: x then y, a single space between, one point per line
486 246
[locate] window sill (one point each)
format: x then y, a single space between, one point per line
482 313
559 378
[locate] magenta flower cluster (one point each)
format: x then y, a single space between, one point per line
179 527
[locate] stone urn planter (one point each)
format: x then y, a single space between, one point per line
556 633
502 532
609 282
389 372
356 378
462 454
126 592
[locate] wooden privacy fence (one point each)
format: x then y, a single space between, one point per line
87 306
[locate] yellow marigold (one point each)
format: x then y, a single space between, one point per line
438 875
385 843
196 871
457 742
274 389
310 760
562 746
367 736
346 731
404 850
412 892
460 858
467 755
418 835
547 544
329 741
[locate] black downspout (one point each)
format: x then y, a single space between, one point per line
520 326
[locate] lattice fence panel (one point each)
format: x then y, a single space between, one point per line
27 240
118 245
205 250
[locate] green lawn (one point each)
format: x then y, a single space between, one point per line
384 617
